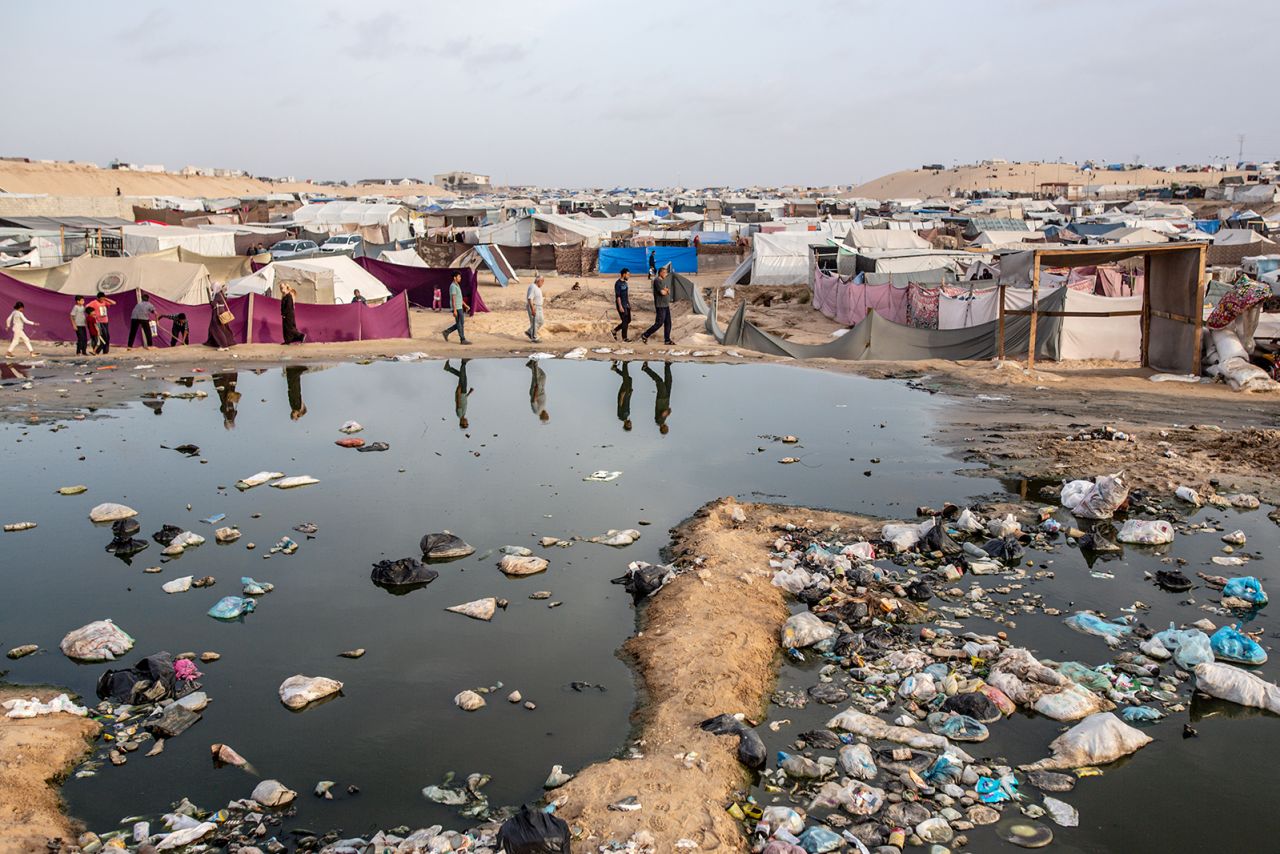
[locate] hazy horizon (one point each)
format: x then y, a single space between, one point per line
561 93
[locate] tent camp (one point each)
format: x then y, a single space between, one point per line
375 222
145 239
485 255
781 258
323 280
172 280
406 257
883 238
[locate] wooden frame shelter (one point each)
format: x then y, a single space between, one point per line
1172 297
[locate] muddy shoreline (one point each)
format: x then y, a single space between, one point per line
1021 430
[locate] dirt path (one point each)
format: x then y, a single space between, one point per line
708 644
34 753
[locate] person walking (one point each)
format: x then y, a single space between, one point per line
533 305
18 321
458 306
288 319
662 395
622 302
98 308
661 309
220 321
538 390
80 323
142 317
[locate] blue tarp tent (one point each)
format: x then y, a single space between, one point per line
683 259
708 238
1208 226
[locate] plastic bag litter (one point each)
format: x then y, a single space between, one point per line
968 522
1146 532
936 539
19 708
231 607
1230 644
781 819
1007 549
1096 740
975 705
957 727
859 723
350 427
1141 714
250 587
295 481
1071 703
258 479
273 793
1006 527
919 686
101 640
111 512
522 566
805 629
861 550
405 572
795 580
602 476
857 761
1092 624
818 839
802 767
186 836
1247 588
1082 674
644 579
751 749
178 585
1187 494
298 691
1062 813
529 832
1098 500
900 536
617 538
479 609
1230 683
1189 646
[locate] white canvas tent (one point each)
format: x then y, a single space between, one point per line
88 274
782 258
379 222
146 239
883 238
348 276
405 257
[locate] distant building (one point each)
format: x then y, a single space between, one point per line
463 182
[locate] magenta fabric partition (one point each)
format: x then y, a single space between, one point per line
848 302
422 283
198 317
52 310
325 324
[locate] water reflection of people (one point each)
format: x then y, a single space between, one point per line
538 390
461 394
624 393
225 385
293 380
662 401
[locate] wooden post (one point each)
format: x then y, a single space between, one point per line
248 322
1146 310
1000 329
62 244
1035 298
1198 315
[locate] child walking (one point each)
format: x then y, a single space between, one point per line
17 322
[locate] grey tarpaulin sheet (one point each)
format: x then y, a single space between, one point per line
878 338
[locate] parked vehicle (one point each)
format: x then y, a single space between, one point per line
292 249
341 243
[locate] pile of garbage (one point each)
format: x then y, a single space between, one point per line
901 764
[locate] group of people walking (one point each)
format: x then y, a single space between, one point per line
661 306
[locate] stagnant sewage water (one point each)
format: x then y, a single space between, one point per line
507 478
510 476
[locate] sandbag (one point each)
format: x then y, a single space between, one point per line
1237 686
1096 740
529 832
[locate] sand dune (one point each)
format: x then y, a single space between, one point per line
1015 177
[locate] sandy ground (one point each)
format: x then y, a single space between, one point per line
34 753
1015 177
86 179
731 615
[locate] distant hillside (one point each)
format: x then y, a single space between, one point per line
1014 177
79 179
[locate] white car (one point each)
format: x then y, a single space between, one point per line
341 243
292 249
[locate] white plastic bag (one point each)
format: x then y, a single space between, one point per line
1237 686
1188 495
1101 500
900 536
1006 527
1146 532
805 629
795 580
1096 740
968 522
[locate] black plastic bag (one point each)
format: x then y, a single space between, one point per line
751 749
165 535
976 705
936 539
644 580
403 572
148 681
529 832
1007 549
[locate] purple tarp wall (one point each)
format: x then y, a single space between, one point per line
421 283
258 315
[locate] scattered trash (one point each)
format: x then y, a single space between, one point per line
272 793
480 609
110 512
521 566
258 479
19 708
294 482
13 527
232 607
350 427
603 476
22 651
101 640
444 546
72 490
616 538
405 572
468 701
298 692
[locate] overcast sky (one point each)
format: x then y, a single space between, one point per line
598 93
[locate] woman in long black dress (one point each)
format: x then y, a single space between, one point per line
219 333
291 333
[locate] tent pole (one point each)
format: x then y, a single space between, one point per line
1000 332
1199 315
1146 310
62 241
248 330
1035 298
408 313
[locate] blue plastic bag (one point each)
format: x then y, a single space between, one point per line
993 791
1141 714
943 770
231 607
1091 624
957 727
1230 644
1247 588
818 839
1189 646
